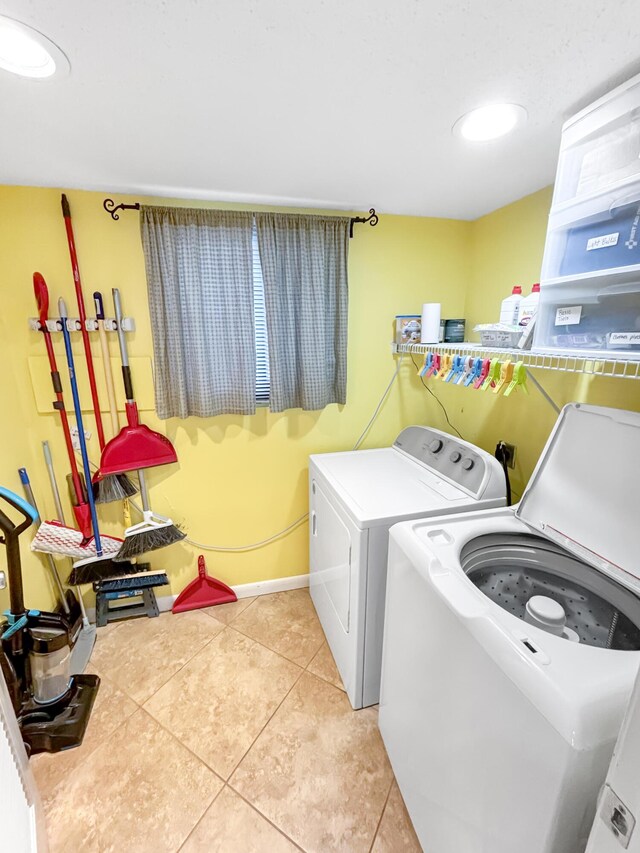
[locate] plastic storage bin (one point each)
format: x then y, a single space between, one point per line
590 282
601 314
601 239
600 149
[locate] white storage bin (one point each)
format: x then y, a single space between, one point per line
594 314
603 237
600 149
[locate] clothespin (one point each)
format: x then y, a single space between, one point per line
428 361
493 376
506 374
467 367
484 372
454 368
519 379
475 371
445 366
458 367
435 366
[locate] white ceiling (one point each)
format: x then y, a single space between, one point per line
329 103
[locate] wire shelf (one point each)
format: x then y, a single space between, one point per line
560 360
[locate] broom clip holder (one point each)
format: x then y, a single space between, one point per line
54 324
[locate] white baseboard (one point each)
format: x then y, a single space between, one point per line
243 590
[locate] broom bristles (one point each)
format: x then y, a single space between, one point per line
115 487
149 540
97 569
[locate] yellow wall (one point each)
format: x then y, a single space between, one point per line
239 479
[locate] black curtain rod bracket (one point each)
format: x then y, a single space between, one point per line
372 219
112 209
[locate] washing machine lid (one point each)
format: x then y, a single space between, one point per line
583 493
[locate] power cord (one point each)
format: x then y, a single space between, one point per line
301 519
503 456
438 401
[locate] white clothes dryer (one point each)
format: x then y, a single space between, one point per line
500 713
354 498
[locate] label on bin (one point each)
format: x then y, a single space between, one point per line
568 316
624 339
603 241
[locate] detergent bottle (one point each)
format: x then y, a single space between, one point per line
510 307
529 306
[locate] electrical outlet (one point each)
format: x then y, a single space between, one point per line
510 450
75 437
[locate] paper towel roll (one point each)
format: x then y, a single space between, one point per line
430 333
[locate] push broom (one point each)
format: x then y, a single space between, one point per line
105 488
154 531
99 566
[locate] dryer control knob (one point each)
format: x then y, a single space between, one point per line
456 456
467 464
436 445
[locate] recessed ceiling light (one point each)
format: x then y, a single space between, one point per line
490 122
27 52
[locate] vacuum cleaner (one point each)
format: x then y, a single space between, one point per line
52 707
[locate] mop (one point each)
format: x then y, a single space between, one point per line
154 531
105 488
80 506
101 565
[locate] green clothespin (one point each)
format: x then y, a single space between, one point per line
493 376
519 379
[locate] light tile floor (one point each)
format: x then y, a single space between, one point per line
224 729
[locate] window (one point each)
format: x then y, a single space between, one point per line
260 320
247 309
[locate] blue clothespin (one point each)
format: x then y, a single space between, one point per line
455 368
427 363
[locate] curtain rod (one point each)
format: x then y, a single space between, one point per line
112 209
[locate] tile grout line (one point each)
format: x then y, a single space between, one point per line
199 821
164 683
264 817
103 738
184 745
188 748
384 808
271 716
254 805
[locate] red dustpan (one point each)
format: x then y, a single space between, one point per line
204 591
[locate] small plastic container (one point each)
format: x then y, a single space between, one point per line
49 659
408 328
499 335
454 331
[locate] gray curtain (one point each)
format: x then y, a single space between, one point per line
304 268
200 285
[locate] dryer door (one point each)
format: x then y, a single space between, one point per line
337 581
330 553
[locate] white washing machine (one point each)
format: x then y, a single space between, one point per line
354 498
499 716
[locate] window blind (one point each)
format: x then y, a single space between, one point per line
260 321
